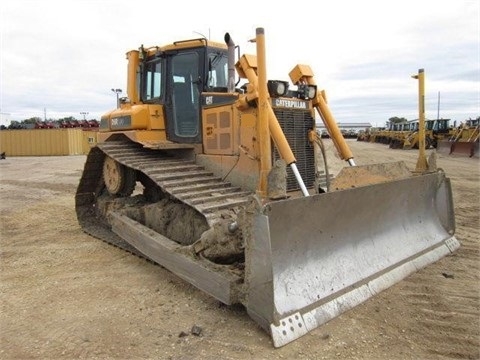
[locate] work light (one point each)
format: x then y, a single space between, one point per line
277 88
307 91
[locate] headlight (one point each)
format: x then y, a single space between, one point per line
307 91
277 88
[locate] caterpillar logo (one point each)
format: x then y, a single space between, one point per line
296 104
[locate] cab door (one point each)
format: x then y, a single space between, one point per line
182 105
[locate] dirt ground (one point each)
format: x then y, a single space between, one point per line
66 295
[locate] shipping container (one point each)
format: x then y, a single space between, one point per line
47 142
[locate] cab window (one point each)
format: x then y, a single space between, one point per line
153 80
217 71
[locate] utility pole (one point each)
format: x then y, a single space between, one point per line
84 113
438 106
117 92
422 158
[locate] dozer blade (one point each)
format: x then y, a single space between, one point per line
444 147
315 257
465 148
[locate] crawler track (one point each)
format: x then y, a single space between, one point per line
183 180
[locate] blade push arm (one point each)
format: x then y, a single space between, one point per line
254 69
303 74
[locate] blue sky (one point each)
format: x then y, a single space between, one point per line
63 58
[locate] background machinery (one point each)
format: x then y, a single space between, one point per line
405 135
222 185
463 140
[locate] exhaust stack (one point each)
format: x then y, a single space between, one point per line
231 62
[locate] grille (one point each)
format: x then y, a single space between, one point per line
296 124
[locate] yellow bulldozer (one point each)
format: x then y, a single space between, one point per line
214 172
463 140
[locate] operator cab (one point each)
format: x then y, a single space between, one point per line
176 78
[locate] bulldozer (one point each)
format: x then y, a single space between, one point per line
218 174
463 140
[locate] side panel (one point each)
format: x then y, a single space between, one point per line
137 117
220 130
239 165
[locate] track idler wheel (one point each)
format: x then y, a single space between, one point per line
119 179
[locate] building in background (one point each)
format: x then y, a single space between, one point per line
349 130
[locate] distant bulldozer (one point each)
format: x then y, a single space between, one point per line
405 135
463 141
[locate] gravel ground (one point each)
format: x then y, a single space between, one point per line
66 295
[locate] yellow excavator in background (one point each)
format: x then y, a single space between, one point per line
220 184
